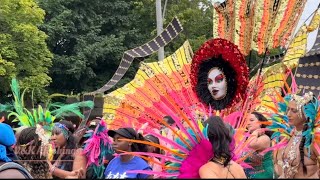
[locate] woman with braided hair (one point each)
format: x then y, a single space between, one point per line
298 158
69 161
32 154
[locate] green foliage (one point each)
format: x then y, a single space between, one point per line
6 68
88 38
194 15
23 50
196 18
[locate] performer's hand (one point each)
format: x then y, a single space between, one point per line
76 174
258 132
49 163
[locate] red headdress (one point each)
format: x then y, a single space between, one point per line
226 56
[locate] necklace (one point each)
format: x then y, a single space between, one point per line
220 160
287 169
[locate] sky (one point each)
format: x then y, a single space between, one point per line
310 7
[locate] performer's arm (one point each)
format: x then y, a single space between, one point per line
259 142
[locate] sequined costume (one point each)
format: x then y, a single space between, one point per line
262 166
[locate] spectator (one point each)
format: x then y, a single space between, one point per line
120 165
69 159
9 169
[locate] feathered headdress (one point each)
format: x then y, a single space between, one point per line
186 153
308 108
44 117
97 147
41 118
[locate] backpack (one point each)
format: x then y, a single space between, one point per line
12 165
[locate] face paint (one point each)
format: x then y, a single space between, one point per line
217 84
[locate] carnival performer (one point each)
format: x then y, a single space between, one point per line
298 157
259 140
120 166
219 77
221 164
32 153
68 157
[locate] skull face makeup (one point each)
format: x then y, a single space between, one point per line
217 84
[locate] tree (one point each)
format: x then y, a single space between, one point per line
195 16
196 19
88 38
6 68
23 50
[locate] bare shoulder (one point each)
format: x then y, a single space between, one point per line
235 167
265 138
204 167
205 171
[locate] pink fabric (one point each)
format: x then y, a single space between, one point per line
233 118
198 156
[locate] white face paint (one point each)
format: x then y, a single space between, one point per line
217 84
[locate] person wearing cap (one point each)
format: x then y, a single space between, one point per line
155 163
119 166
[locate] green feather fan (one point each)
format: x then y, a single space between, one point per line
70 109
40 115
5 107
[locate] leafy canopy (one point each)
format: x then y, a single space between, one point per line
23 50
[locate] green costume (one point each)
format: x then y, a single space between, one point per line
262 166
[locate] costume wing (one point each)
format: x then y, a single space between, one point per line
186 153
158 89
256 25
